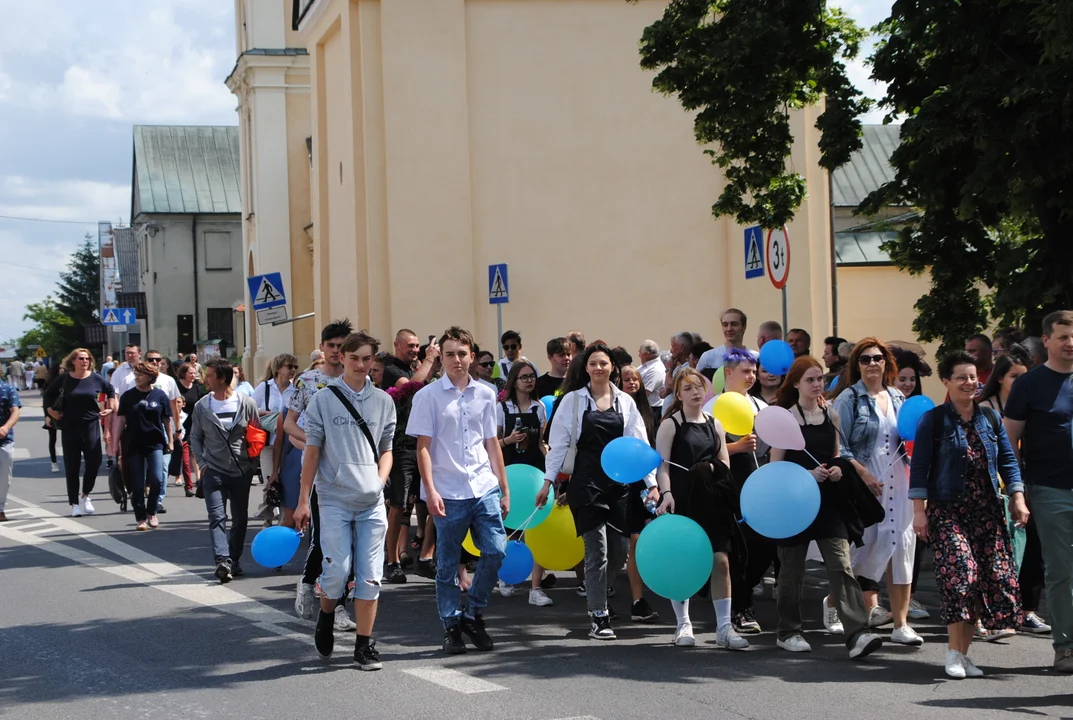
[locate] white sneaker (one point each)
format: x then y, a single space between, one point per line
795 644
954 667
683 636
879 617
970 667
342 620
727 637
830 619
866 644
906 635
504 589
76 511
55 468
87 505
918 611
304 600
539 598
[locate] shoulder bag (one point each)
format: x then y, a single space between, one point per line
571 450
357 418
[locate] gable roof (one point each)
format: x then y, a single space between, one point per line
186 170
868 168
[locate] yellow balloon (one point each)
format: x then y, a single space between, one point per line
554 542
735 412
468 545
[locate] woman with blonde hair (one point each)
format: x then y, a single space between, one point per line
273 394
76 401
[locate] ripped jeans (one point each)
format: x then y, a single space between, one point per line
350 538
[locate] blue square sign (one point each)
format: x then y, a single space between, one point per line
754 252
266 291
498 289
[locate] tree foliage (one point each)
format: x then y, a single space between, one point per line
58 321
742 66
986 154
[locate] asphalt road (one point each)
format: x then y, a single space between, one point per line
98 620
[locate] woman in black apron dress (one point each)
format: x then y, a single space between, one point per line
597 502
843 610
687 437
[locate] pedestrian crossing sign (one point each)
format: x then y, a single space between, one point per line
266 291
754 252
498 289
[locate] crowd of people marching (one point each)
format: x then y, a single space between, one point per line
428 429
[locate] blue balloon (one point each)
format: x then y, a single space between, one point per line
909 416
776 357
275 546
549 403
517 564
674 557
780 500
628 459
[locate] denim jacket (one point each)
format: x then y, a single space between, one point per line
948 480
858 423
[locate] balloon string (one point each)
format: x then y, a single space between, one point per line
756 460
898 455
677 465
818 463
527 521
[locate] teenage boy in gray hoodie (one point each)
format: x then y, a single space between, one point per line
348 456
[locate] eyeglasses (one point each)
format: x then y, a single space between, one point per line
490 363
86 359
153 360
526 378
962 379
293 367
512 346
871 359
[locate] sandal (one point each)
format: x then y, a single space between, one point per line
141 526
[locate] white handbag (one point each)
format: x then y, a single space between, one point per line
571 450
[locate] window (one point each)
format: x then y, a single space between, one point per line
217 250
221 325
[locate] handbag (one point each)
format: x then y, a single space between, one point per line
270 422
571 450
255 440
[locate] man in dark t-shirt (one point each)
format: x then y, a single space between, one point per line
559 360
404 367
1038 419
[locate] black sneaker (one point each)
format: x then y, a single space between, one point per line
600 626
367 657
160 510
395 575
426 569
642 612
189 493
406 561
453 644
611 612
581 591
223 571
610 592
324 636
745 623
236 569
548 582
475 630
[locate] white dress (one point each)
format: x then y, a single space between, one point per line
892 540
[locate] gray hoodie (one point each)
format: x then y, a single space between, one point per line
222 450
347 475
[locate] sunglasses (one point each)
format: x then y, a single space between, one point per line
526 378
487 364
871 359
293 367
153 360
510 347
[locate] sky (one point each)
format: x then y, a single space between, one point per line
76 76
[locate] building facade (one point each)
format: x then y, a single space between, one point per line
186 211
271 83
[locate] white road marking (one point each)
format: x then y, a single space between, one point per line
20 454
454 680
31 525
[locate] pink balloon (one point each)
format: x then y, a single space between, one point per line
777 427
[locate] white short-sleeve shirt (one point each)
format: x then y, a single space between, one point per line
458 422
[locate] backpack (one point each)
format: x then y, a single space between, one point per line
116 487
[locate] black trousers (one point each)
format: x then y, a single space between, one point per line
81 440
51 442
747 572
1030 579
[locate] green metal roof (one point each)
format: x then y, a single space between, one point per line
186 170
862 248
868 168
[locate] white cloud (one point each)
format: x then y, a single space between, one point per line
85 93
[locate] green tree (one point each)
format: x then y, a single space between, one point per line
52 329
742 66
79 289
986 154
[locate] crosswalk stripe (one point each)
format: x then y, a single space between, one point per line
454 680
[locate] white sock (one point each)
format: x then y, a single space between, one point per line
722 612
681 612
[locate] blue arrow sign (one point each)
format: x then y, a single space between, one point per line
266 291
119 316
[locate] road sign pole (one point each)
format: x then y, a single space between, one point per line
499 322
785 316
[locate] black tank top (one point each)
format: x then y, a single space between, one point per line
693 443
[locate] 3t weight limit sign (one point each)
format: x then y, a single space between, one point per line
777 257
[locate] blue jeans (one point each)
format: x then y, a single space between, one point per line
1053 510
352 539
164 463
145 469
484 518
219 489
